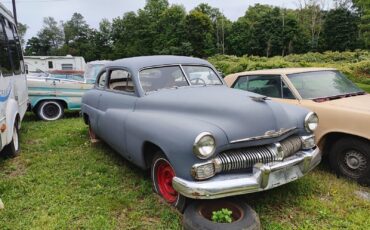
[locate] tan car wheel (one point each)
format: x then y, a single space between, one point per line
350 157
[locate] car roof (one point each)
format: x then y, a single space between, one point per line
137 63
98 62
232 77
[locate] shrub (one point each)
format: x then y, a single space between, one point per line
356 65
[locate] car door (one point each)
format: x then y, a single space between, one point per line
116 102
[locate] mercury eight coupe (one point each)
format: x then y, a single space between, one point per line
200 139
342 107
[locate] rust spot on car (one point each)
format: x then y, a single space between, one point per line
3 128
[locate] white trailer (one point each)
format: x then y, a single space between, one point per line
49 63
13 84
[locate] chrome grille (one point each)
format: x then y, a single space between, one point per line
291 145
247 157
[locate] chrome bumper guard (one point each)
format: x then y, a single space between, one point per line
263 177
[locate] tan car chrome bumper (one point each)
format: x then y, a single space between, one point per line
263 177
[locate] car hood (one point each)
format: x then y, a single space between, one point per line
356 103
233 111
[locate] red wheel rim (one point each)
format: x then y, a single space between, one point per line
165 174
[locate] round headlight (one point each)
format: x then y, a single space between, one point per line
204 145
311 122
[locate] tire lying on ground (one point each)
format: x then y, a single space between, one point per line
198 214
50 110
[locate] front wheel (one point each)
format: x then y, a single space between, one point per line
13 148
350 157
162 174
50 110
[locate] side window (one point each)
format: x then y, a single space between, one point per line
13 47
120 80
101 80
265 85
67 66
50 64
287 94
5 64
241 83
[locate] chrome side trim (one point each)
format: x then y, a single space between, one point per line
2 119
267 135
263 177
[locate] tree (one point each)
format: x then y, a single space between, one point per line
340 30
362 8
50 36
75 29
171 37
221 25
200 33
311 16
34 47
238 39
102 40
125 36
22 29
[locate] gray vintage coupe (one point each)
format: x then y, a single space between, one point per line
200 139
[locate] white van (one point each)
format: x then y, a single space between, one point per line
13 84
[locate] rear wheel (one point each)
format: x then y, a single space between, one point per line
162 174
13 148
350 157
50 110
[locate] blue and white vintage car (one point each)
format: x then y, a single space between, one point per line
200 139
51 94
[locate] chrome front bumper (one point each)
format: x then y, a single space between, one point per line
263 177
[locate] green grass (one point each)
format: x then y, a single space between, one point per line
365 87
61 181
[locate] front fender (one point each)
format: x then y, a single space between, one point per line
173 133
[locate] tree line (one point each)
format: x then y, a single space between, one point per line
161 28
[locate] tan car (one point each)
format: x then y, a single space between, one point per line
343 110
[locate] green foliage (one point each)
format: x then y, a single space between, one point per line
356 65
340 30
161 28
199 33
222 216
22 29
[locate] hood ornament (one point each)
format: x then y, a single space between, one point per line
259 98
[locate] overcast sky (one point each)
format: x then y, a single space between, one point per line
32 12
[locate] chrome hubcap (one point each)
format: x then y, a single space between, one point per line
355 160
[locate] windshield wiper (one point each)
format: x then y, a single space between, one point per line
329 98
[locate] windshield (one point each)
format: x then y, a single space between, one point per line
200 75
92 71
172 76
322 84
